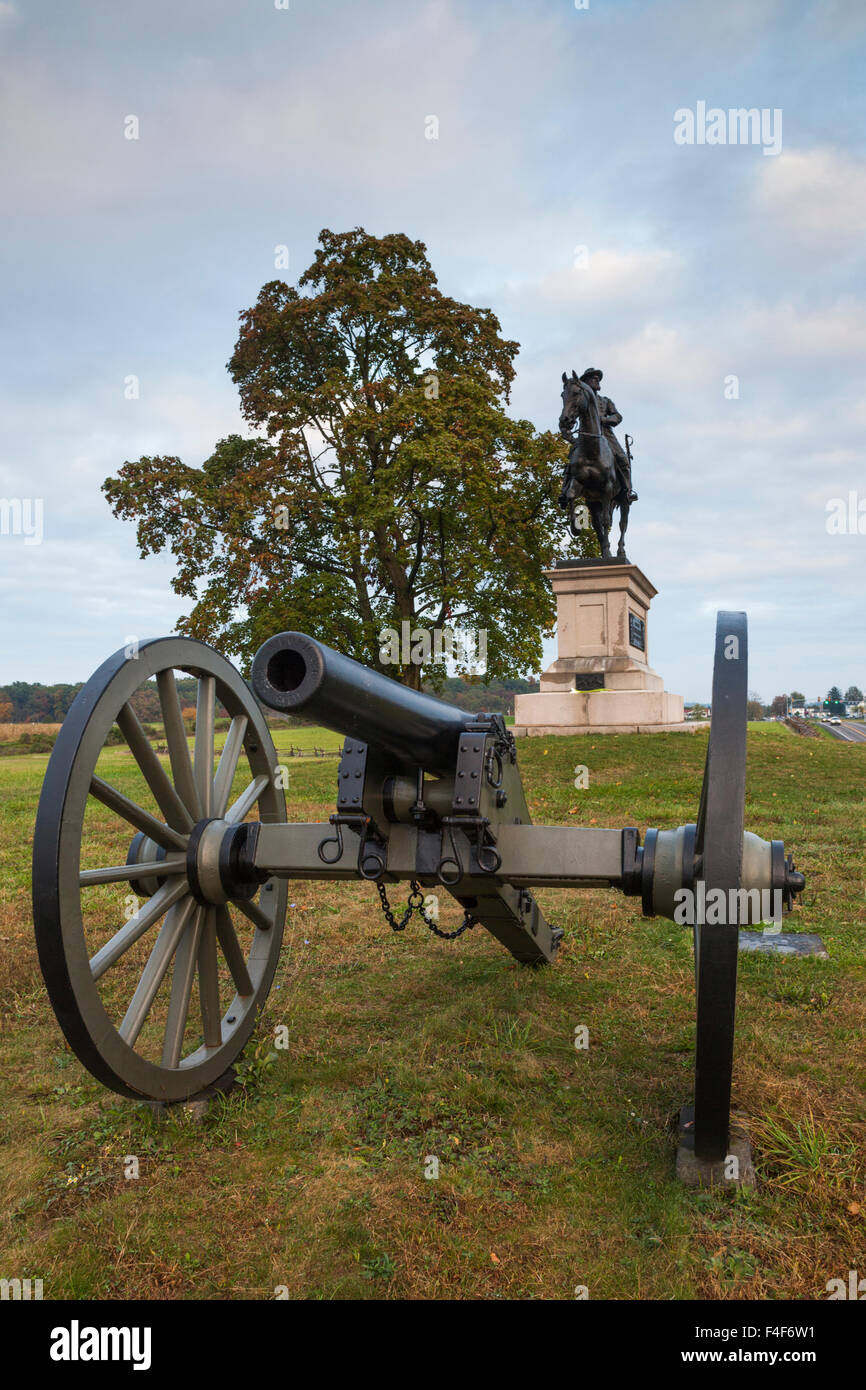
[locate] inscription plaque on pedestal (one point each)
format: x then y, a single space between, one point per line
636 632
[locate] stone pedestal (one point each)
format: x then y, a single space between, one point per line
601 681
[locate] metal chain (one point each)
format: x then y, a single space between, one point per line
389 915
416 904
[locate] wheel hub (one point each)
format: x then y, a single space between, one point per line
219 861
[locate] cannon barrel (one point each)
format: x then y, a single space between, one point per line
295 674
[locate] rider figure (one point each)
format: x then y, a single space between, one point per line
610 416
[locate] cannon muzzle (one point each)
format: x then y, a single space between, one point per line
294 674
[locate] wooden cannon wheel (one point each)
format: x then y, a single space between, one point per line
126 1001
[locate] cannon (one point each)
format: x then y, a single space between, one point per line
175 878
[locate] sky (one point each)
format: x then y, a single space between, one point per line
719 287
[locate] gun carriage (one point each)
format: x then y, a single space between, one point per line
427 794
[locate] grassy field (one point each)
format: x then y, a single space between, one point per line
10 733
555 1166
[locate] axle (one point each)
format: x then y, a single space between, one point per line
228 862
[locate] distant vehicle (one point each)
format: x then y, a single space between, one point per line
834 720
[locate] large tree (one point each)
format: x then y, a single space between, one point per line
386 482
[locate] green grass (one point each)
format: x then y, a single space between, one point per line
555 1165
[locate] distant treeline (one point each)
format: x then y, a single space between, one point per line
497 697
23 702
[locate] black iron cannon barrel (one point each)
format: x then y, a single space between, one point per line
295 674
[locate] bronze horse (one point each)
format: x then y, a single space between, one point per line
590 472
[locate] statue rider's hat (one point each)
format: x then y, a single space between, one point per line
592 371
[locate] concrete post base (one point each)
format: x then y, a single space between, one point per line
197 1107
736 1169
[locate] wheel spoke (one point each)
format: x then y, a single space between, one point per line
167 798
246 801
136 815
158 962
175 737
231 948
254 913
117 873
203 754
225 773
208 982
181 990
150 912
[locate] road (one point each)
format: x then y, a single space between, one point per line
850 731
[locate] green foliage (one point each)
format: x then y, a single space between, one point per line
33 703
41 741
495 696
389 484
731 1265
511 1032
803 993
800 1152
379 1267
252 1068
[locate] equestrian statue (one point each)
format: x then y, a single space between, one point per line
598 471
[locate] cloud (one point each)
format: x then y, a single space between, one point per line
817 196
655 354
605 276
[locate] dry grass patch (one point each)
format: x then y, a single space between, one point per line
11 733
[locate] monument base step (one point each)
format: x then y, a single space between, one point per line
597 709
688 726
